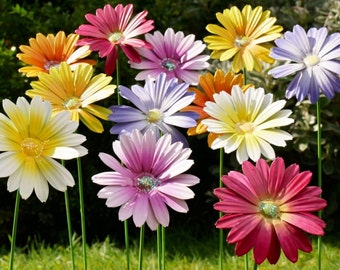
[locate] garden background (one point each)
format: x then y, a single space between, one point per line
46 222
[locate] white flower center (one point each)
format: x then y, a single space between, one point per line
241 41
269 209
51 64
115 37
311 60
244 127
154 116
32 147
72 103
146 182
168 64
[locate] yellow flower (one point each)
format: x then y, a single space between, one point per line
75 92
31 138
209 85
49 51
245 37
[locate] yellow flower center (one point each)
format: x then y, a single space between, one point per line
244 127
242 41
72 103
115 37
146 183
168 64
154 115
311 60
32 147
269 209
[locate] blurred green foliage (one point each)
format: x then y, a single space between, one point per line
21 20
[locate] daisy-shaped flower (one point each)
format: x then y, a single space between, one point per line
30 139
49 51
75 92
243 36
314 57
158 106
177 55
210 84
268 208
151 178
247 122
113 27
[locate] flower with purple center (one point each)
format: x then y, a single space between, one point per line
314 57
158 107
177 55
151 178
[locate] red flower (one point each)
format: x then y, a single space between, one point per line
268 208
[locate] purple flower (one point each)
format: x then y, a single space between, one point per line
313 56
151 178
158 107
176 54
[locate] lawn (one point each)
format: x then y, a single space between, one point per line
184 252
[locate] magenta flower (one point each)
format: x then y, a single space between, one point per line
175 54
268 208
113 27
150 179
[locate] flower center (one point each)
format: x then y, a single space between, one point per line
72 103
311 60
269 209
146 182
241 41
51 64
32 147
154 115
244 127
168 64
115 37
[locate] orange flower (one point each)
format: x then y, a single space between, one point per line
49 51
211 84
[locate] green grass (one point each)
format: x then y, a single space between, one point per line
184 252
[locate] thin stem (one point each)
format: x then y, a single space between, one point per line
126 233
246 261
255 266
119 101
69 224
159 247
82 211
14 229
69 228
141 247
163 247
319 153
221 234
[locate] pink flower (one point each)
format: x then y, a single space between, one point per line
151 178
268 208
177 55
112 27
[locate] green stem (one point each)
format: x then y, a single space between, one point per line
246 261
119 101
14 229
141 247
163 247
82 211
319 153
69 228
221 234
69 224
127 250
159 247
255 266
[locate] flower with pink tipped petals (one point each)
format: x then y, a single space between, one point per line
177 55
268 208
113 27
151 178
